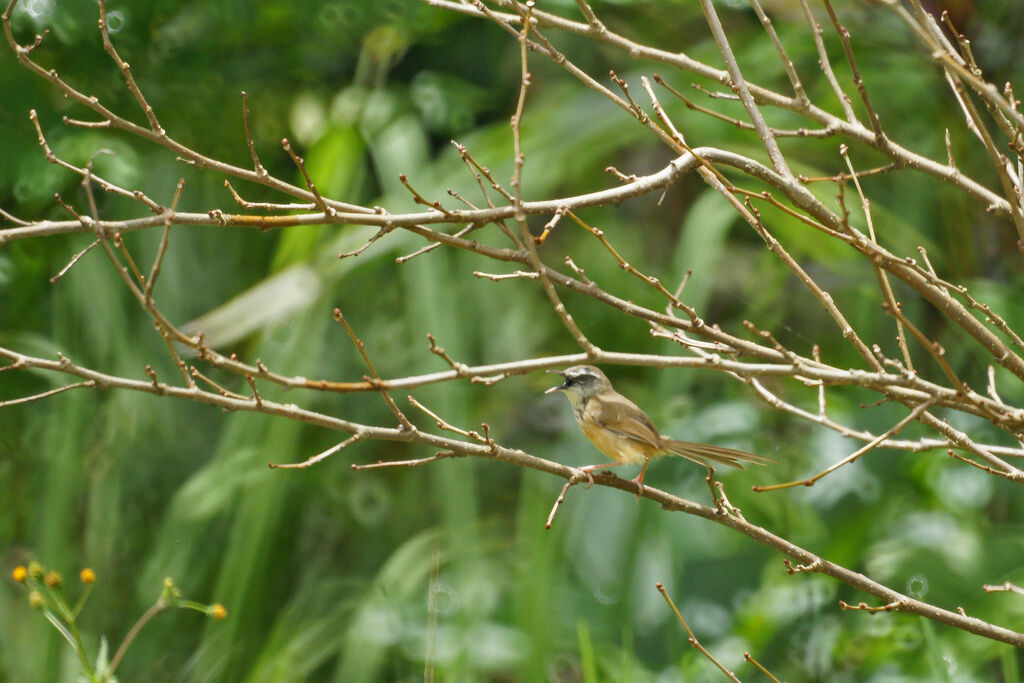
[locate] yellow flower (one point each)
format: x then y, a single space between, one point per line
218 611
20 573
35 570
53 578
87 575
36 599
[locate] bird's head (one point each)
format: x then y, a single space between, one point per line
581 382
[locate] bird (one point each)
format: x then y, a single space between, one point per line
624 433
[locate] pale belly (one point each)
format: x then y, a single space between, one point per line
622 450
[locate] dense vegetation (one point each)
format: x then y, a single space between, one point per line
376 575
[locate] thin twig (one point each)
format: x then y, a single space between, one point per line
1003 587
692 638
154 272
558 502
301 165
739 85
382 464
74 259
323 455
361 347
256 165
46 394
126 71
871 445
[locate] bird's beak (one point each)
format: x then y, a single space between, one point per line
561 386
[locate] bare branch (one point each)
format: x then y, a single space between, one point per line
692 638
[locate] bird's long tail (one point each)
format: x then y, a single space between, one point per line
709 455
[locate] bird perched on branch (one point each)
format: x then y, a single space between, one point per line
623 432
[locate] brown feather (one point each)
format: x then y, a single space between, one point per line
617 413
703 452
619 429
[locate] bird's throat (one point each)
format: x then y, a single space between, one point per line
578 406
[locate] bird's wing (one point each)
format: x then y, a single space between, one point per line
622 417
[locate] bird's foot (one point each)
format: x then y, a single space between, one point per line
588 472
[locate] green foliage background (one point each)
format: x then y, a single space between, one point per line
325 572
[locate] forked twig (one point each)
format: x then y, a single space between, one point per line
375 378
892 431
691 637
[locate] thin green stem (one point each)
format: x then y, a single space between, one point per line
159 606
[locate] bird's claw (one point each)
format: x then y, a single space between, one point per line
588 475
